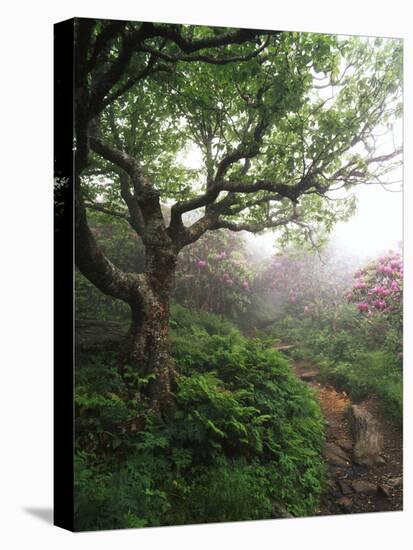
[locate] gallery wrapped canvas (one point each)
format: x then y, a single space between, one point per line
228 343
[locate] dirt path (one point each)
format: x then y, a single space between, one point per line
352 488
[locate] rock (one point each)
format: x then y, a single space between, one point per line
335 455
280 511
333 490
344 487
395 482
345 503
365 487
345 444
385 490
308 375
368 439
335 472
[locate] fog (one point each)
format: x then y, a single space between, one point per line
375 228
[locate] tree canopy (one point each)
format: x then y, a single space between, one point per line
278 121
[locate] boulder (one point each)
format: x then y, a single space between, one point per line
367 436
345 444
365 487
335 455
344 487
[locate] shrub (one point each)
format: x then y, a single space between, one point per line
246 435
378 373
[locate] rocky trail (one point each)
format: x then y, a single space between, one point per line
363 452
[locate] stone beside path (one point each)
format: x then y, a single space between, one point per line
364 465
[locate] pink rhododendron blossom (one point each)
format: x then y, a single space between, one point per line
201 263
394 286
246 285
360 284
363 307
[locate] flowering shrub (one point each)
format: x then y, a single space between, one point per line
377 293
215 274
378 287
306 286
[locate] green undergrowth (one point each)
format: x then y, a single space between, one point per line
246 436
349 358
372 373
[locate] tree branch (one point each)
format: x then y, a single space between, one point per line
173 58
136 218
254 227
121 159
151 68
238 36
108 34
95 266
99 207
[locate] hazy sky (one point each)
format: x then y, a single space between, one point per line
376 227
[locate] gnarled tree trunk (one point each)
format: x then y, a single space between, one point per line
148 295
147 347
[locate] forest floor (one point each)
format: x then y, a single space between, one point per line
352 488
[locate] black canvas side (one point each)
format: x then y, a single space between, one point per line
63 276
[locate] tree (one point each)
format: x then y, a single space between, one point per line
280 120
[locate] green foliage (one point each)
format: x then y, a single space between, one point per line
223 283
115 499
231 490
245 436
356 354
376 372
